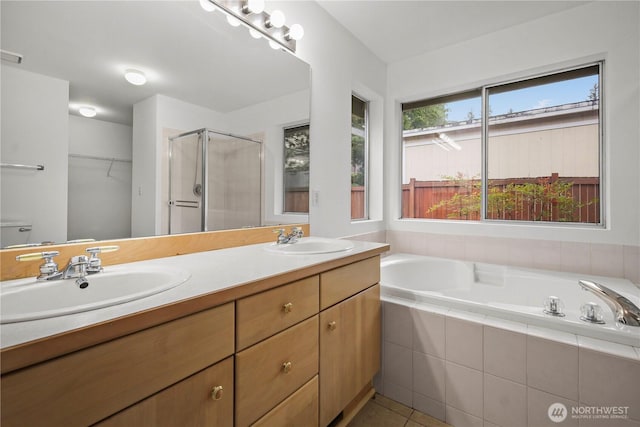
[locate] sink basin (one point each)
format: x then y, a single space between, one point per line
28 299
311 245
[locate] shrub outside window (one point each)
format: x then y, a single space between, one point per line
296 169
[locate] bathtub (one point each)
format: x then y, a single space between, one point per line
510 293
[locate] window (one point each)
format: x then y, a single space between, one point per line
359 158
296 169
533 154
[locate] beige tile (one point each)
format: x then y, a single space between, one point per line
428 376
458 418
429 406
426 420
505 354
397 365
538 403
398 393
609 381
428 332
464 389
607 260
546 254
398 324
464 342
398 407
552 367
575 258
412 424
632 263
374 415
505 402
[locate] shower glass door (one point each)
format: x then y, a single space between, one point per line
185 183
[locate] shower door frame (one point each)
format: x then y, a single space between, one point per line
203 135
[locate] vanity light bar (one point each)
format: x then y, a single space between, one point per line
259 21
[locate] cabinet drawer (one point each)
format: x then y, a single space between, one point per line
204 399
89 385
299 409
271 370
340 283
265 314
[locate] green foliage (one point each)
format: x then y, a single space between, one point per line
544 200
296 149
424 117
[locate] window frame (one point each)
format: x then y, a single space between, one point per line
284 171
366 103
483 89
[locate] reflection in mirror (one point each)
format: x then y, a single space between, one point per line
107 177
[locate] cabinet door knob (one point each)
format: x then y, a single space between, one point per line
332 325
286 367
287 307
216 392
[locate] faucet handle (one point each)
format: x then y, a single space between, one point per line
95 263
297 231
48 268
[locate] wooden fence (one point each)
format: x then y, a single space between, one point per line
461 200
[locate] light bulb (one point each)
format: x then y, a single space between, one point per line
254 6
87 111
296 32
255 33
207 5
276 19
135 77
233 21
274 45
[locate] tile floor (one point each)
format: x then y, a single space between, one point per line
384 412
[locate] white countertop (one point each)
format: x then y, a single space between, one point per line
211 271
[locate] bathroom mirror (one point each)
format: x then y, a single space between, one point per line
105 177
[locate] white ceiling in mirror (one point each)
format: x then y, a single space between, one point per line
184 51
395 30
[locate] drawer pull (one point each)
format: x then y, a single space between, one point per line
287 307
286 367
332 326
216 392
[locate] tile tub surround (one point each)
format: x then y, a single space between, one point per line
588 258
468 369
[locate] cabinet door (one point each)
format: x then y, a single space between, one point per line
349 350
204 399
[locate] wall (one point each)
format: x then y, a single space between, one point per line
340 65
99 204
35 131
596 30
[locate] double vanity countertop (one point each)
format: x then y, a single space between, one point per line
217 277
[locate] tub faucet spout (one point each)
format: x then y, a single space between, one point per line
624 310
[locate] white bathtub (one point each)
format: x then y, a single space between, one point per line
511 293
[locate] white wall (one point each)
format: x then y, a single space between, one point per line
99 203
596 30
35 109
340 65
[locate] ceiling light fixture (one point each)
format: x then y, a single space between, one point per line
87 111
275 20
207 5
253 6
260 23
135 77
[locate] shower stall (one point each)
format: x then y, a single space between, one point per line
214 181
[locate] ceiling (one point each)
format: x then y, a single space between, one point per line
395 30
187 54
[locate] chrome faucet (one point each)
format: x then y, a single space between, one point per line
283 238
624 310
78 267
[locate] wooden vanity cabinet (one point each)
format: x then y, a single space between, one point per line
204 399
349 336
294 355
